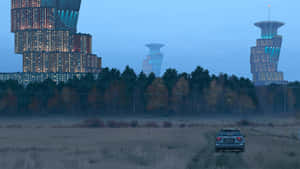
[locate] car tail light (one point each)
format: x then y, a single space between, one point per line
219 138
239 138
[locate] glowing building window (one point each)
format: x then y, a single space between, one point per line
267 50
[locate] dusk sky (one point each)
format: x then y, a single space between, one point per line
214 34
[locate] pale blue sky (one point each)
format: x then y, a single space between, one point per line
215 34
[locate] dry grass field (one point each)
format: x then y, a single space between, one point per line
268 147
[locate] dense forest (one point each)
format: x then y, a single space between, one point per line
126 93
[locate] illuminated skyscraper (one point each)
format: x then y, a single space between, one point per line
45 34
265 55
154 59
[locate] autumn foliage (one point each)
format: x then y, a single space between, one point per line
118 94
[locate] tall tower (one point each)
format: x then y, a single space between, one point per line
153 60
45 34
265 55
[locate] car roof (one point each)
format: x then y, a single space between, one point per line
230 129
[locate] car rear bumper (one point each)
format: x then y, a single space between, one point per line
230 146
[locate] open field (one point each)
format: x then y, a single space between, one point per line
268 147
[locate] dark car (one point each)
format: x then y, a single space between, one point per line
230 140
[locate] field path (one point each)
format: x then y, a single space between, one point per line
206 158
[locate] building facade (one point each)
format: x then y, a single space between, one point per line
26 78
265 55
46 35
153 61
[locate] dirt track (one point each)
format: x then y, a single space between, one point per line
206 158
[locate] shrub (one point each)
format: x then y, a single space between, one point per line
182 125
113 124
298 115
193 125
39 126
62 126
291 154
244 123
14 126
151 125
271 125
93 123
295 136
134 124
123 124
167 124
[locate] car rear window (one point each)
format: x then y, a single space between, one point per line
230 133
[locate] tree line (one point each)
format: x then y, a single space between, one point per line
128 93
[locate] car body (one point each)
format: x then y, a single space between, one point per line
230 140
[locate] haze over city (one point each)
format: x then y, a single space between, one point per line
214 34
160 84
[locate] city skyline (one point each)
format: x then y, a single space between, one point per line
219 58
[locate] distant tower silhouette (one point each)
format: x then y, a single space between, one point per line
154 59
265 55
